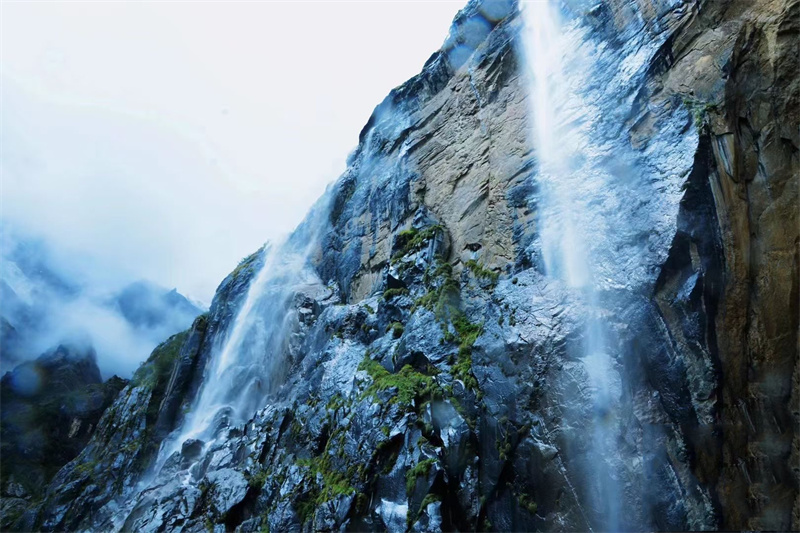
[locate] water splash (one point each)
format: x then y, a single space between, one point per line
250 361
572 224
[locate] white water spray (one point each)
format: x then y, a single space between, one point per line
250 362
573 225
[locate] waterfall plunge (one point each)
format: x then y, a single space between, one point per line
249 363
573 224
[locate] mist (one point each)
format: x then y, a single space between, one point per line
167 140
49 300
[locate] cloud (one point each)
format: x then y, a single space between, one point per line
166 140
43 306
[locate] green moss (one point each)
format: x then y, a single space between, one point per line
397 329
503 448
443 300
388 294
334 482
462 370
295 429
257 479
405 237
410 384
369 309
466 333
336 401
159 365
699 110
324 480
412 240
305 507
420 469
247 264
527 503
312 401
361 503
427 500
443 293
327 482
86 468
481 272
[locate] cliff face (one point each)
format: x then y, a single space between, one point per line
51 407
428 375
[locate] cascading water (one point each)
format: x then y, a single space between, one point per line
247 364
574 200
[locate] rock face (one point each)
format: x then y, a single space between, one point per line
50 409
432 381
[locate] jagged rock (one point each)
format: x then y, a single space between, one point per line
50 407
228 488
432 375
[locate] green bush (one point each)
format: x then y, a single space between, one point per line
388 294
699 110
481 272
397 329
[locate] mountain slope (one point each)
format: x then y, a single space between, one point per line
43 306
50 409
426 371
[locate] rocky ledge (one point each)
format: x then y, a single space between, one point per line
429 382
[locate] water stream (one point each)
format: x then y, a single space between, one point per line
573 224
249 360
249 363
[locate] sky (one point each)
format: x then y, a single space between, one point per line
166 140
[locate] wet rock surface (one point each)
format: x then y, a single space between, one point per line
430 380
50 408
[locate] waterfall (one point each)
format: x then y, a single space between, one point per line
248 365
248 361
575 197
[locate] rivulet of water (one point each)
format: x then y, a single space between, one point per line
572 194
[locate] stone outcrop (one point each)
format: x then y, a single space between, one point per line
50 408
429 372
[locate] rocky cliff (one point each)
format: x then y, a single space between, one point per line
427 374
51 407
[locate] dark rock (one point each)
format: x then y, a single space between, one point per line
463 398
50 409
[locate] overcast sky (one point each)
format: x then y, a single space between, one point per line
166 140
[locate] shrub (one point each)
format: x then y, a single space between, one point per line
481 272
388 294
397 329
412 240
